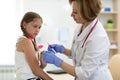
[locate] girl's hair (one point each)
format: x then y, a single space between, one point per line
88 9
28 17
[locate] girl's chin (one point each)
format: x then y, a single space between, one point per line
32 36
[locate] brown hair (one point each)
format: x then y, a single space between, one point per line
28 17
89 9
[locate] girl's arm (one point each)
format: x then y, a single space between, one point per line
29 51
42 63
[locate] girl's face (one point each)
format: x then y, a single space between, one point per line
76 14
33 27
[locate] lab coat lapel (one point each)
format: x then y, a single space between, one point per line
83 34
86 31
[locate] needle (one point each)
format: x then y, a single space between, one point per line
51 48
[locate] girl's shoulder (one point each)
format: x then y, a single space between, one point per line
22 39
22 42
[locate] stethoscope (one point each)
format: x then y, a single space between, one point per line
92 28
89 33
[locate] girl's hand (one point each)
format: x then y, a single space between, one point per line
41 62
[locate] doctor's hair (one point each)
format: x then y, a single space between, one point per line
27 18
88 9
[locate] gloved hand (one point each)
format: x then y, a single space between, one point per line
56 47
50 57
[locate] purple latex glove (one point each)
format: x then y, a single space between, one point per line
56 47
50 57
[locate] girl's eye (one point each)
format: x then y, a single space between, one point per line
39 27
35 26
74 12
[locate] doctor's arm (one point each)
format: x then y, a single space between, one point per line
68 68
50 57
67 52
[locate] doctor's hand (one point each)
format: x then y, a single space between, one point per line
50 57
56 47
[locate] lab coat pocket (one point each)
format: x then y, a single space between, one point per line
102 73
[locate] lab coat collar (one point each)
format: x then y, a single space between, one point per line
86 31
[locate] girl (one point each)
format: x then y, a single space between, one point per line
28 61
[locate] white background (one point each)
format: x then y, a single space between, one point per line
8 31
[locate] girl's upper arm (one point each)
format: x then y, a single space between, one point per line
29 52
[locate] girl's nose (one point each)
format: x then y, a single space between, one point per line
37 29
71 14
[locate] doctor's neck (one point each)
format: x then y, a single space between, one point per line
84 25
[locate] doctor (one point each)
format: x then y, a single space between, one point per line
90 47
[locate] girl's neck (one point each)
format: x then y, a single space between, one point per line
28 36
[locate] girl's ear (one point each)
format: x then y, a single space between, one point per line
24 24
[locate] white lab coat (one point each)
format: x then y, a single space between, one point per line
91 61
